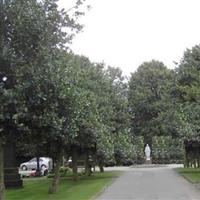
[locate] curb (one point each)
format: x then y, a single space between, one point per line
185 177
194 183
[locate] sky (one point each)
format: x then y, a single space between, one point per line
125 33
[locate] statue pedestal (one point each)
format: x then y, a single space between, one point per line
148 162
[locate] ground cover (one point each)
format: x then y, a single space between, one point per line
191 174
84 189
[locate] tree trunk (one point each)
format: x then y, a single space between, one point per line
198 163
87 164
101 168
54 186
2 186
94 163
53 163
94 169
74 163
38 170
198 158
186 159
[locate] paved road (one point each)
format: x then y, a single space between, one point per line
150 184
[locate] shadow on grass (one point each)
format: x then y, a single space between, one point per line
84 188
94 175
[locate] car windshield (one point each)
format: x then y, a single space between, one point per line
32 160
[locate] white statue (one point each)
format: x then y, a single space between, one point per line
147 152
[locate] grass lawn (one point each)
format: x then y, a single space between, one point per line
85 188
191 174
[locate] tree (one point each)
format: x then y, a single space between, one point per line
148 98
124 148
110 104
185 96
120 118
31 34
187 93
105 148
88 119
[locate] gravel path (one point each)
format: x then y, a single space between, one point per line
160 183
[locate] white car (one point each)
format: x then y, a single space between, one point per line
44 163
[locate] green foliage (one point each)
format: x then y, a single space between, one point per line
35 100
167 150
156 112
105 148
32 34
148 98
188 84
176 150
64 172
138 149
124 149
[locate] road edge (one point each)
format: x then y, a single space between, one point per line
106 186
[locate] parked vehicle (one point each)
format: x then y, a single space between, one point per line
33 173
44 163
68 163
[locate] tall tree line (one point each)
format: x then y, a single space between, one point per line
52 100
165 102
63 104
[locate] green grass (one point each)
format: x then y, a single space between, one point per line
191 174
84 189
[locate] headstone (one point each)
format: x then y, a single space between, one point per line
12 178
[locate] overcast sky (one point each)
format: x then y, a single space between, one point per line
125 33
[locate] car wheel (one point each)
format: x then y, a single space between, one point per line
45 172
43 167
24 167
